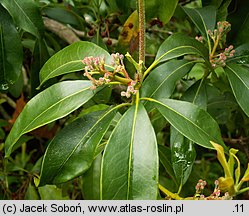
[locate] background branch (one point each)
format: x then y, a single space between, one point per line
61 30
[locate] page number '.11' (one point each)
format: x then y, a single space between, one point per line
239 208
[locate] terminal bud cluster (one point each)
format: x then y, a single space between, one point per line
96 66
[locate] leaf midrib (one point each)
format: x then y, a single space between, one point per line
169 76
197 126
27 17
131 150
50 75
89 131
25 131
238 77
176 48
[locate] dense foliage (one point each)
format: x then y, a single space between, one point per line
99 101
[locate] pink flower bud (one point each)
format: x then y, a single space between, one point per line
123 93
101 79
216 182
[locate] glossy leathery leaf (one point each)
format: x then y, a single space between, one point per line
203 18
221 105
178 45
222 11
40 56
162 80
190 120
182 155
64 15
130 161
51 104
10 51
196 94
72 150
26 15
70 59
239 81
165 159
91 180
51 192
241 55
163 10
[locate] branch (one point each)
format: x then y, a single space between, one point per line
61 30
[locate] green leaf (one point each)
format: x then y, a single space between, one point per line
91 180
203 18
63 162
53 103
162 80
239 81
190 120
182 155
10 51
221 104
130 161
196 94
163 10
40 56
26 15
31 193
165 159
63 14
51 192
241 55
178 45
70 59
103 95
222 12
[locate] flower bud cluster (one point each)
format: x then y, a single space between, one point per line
199 38
220 33
200 186
216 192
216 195
130 90
96 65
220 59
219 38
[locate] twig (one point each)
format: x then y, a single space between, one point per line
5 115
8 100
